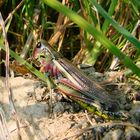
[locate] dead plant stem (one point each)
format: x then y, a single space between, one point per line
7 83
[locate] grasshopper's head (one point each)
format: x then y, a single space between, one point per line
41 50
41 53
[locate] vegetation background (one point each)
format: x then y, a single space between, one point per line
106 30
103 34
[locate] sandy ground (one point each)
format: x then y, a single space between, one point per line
60 119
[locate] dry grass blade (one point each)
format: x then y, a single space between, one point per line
4 133
81 22
32 35
8 88
12 13
116 61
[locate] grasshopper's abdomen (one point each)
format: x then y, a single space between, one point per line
89 88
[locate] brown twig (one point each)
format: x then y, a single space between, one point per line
88 118
62 24
12 13
60 30
102 124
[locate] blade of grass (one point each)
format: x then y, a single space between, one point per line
110 12
97 34
96 51
120 29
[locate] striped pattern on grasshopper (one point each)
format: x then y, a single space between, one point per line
74 83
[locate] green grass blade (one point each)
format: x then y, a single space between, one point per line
96 51
120 29
110 12
97 34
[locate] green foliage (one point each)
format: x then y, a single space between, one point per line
101 26
97 34
120 29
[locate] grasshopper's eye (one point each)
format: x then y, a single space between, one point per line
38 45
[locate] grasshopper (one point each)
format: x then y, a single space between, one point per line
74 83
